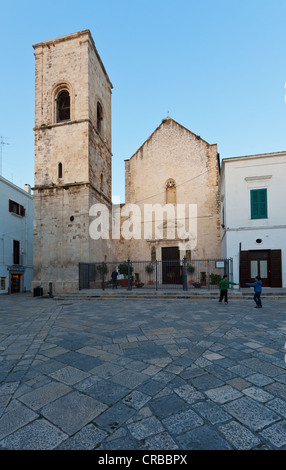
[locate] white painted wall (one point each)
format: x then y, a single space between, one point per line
15 227
238 176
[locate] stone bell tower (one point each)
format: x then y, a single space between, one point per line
72 157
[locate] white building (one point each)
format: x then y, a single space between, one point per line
16 237
253 205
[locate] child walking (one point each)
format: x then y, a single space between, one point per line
223 287
257 291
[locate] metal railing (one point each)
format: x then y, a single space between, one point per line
171 274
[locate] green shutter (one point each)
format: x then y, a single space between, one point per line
258 201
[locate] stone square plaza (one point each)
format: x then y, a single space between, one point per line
135 374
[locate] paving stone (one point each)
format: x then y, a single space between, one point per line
16 416
181 422
106 370
126 442
278 405
259 379
129 379
220 372
263 367
40 397
106 392
189 394
202 438
48 367
223 394
258 394
239 383
8 388
73 411
136 399
151 387
69 375
239 437
38 435
158 442
211 412
252 414
145 428
241 370
213 356
277 389
205 382
166 405
87 438
85 384
114 416
276 434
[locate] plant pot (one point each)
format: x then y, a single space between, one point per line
139 284
197 284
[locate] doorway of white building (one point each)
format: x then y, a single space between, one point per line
263 263
15 284
259 266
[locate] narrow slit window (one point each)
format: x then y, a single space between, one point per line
99 117
63 106
60 170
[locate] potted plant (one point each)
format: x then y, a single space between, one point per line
123 269
149 269
197 284
215 278
190 270
203 278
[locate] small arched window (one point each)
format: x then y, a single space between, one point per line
99 117
101 182
63 106
60 170
171 192
153 253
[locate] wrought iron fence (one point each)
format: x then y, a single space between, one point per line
173 274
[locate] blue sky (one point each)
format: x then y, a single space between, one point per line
218 67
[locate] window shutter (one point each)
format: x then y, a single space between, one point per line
258 201
10 205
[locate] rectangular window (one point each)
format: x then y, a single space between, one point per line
258 202
16 208
16 252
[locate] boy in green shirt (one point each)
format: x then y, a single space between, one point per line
223 286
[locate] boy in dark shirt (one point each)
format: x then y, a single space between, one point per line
223 287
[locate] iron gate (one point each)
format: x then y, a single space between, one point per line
165 274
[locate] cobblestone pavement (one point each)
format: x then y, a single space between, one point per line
141 374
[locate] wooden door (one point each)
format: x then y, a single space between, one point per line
259 266
275 268
171 269
264 263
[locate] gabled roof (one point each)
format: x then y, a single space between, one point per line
167 121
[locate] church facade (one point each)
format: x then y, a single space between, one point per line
172 202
